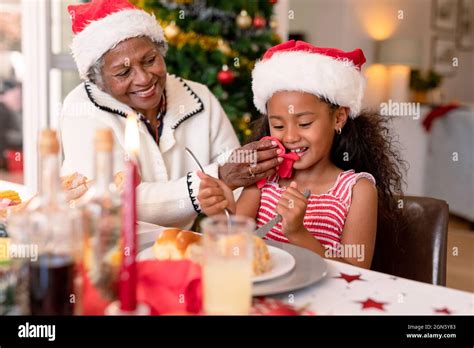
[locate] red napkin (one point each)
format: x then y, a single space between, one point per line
168 287
285 169
438 112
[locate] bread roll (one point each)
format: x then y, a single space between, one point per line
176 244
172 243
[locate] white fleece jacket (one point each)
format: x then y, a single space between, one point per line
167 194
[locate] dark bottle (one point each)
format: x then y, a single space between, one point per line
51 285
55 229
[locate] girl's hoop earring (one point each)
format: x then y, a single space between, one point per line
339 131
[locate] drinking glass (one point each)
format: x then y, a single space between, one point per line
227 265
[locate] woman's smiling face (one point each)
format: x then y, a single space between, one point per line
134 73
304 124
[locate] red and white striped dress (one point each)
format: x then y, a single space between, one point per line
325 214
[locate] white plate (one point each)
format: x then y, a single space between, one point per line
309 269
282 263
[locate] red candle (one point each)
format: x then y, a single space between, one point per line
128 273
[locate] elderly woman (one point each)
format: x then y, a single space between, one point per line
119 51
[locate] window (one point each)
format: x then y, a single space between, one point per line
11 77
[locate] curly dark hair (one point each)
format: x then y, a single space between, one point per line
365 144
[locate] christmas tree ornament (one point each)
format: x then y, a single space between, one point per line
224 47
273 2
273 23
243 20
225 76
172 31
259 22
247 117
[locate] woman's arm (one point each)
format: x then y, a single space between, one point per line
163 203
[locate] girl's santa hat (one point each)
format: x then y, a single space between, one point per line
102 24
298 66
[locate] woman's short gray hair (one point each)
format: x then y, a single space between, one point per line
94 74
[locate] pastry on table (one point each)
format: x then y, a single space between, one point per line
176 244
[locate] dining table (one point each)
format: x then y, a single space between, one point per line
344 289
329 287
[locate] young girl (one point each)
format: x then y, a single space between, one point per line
310 99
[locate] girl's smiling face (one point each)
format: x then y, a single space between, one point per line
305 125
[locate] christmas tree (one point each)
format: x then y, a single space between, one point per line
216 43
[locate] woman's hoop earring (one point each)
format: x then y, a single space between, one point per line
339 131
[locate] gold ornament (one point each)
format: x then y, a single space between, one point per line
273 23
247 117
243 20
172 31
224 47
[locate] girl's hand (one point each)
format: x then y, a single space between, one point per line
214 196
292 207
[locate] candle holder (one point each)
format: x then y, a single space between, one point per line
142 309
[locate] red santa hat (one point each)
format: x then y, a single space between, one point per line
298 66
99 25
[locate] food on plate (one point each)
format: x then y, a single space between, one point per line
261 256
9 200
176 244
11 195
172 244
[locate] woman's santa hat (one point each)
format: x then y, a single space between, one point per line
298 66
102 24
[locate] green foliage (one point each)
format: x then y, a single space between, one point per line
217 19
424 82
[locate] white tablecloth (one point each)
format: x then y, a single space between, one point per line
352 290
348 289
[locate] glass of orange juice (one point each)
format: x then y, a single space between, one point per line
227 265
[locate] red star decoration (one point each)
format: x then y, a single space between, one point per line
369 303
349 278
443 310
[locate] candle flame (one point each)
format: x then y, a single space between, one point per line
132 138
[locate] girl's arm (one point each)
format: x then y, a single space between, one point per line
359 231
249 202
360 227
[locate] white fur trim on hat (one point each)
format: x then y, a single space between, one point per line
101 35
339 81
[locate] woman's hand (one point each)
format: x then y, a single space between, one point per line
74 186
292 207
214 196
250 163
